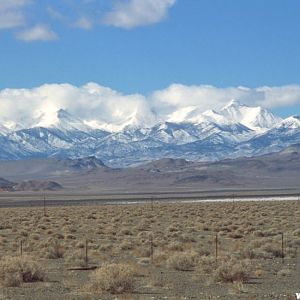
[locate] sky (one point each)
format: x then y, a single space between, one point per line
187 52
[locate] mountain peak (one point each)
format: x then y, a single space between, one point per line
61 113
255 118
63 120
232 103
292 122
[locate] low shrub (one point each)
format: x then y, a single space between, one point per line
114 278
183 261
15 270
206 264
232 271
56 250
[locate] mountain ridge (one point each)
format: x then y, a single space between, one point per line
235 130
90 175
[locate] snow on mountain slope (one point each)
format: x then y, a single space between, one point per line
139 117
63 121
3 130
233 131
290 122
194 115
255 118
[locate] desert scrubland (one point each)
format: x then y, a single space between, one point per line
242 250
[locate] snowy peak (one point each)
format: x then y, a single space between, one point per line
189 114
64 121
137 118
213 116
231 104
3 130
290 123
63 114
194 115
255 118
140 119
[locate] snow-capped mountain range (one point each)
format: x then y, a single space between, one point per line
233 131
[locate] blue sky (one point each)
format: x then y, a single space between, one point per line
223 43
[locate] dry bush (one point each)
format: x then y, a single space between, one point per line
284 272
296 232
126 245
56 250
232 271
160 257
176 246
236 234
183 261
142 251
15 270
272 249
185 238
259 273
113 278
76 259
251 253
206 264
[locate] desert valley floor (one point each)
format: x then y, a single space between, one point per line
153 250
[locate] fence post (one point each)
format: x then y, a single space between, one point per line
21 248
86 253
44 206
151 249
216 248
282 249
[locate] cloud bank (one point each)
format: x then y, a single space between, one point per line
135 13
12 13
103 107
39 32
126 14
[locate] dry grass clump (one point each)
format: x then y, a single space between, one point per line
15 270
56 250
183 261
176 246
232 271
236 234
259 273
113 278
284 272
272 250
296 232
206 264
76 259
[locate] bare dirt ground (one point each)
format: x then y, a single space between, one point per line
233 250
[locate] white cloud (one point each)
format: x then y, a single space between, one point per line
39 32
84 23
55 14
110 109
178 96
280 96
79 14
135 13
12 14
92 102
